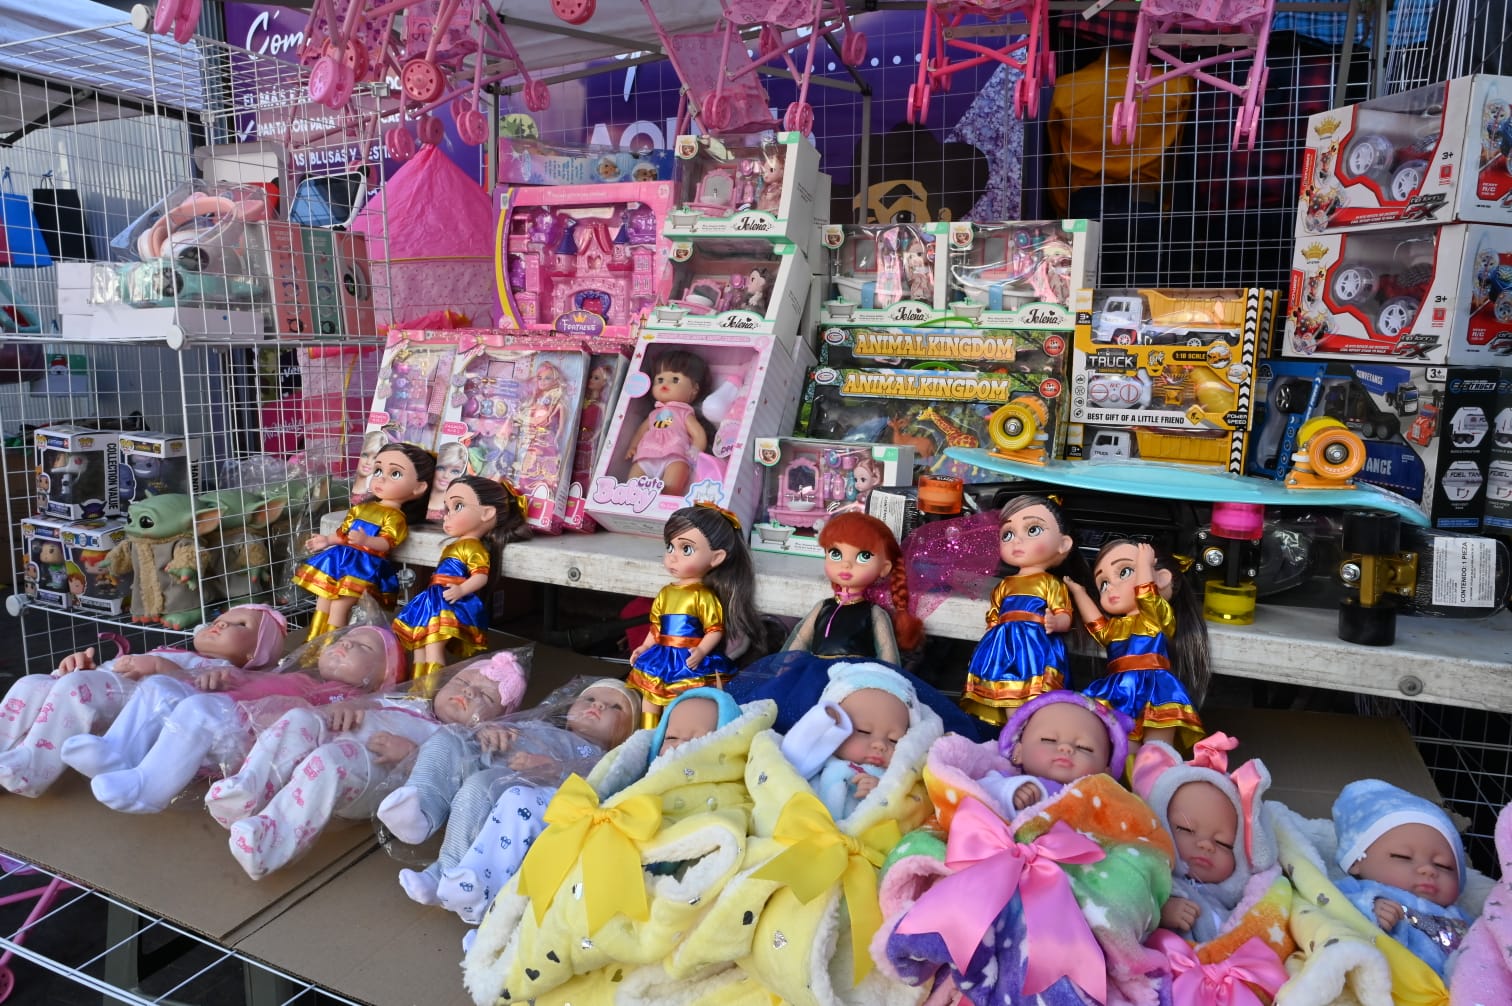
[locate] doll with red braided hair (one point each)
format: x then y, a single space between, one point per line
859 552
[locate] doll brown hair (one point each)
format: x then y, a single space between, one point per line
1074 564
1189 647
864 531
732 581
425 470
509 524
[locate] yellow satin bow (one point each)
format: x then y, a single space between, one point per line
821 854
605 839
729 515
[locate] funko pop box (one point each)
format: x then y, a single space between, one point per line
78 473
153 464
87 543
45 571
1435 154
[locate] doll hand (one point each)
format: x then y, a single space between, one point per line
524 761
453 593
1058 621
391 749
1144 552
81 661
494 738
1179 915
317 543
142 665
1076 589
341 719
1027 795
357 537
213 681
1387 913
694 659
863 783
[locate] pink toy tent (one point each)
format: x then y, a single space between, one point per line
434 227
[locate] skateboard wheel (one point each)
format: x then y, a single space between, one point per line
1334 451
1366 626
1015 426
1367 532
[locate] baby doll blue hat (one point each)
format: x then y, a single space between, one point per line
729 712
846 677
1369 808
1116 723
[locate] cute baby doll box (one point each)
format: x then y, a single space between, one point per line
885 274
95 589
410 395
805 482
45 572
583 260
512 414
78 473
1435 154
1021 274
735 285
684 391
729 191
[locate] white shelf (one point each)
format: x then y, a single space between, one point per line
1452 662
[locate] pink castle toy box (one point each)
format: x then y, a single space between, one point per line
583 260
682 429
728 191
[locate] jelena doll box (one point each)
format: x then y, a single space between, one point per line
727 191
806 482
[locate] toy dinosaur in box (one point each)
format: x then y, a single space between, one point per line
163 538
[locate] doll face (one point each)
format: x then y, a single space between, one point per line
852 568
50 552
689 556
452 467
468 698
689 720
547 376
601 715
395 480
1204 826
231 637
671 386
597 379
369 456
879 720
1063 742
1416 858
463 516
1115 578
866 478
356 659
1031 540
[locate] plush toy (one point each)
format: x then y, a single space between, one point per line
162 539
242 541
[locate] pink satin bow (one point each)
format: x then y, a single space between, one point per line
990 866
1226 983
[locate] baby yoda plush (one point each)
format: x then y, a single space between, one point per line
162 539
242 541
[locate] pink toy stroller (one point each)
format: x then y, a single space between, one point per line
44 896
344 45
944 32
1240 27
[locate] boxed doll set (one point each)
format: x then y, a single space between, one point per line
735 285
1009 275
805 482
410 397
1432 154
1166 375
512 414
681 431
730 191
96 590
583 260
608 362
885 274
153 464
78 472
1418 294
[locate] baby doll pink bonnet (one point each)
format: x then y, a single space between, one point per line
503 669
271 631
1116 723
1159 772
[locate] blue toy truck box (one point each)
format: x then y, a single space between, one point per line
1425 429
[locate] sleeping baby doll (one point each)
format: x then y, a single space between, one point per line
1054 739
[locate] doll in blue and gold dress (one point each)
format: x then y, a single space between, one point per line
1157 657
354 561
1023 652
706 612
481 517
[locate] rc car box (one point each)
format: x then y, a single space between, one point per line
97 590
769 190
1413 295
78 472
1425 429
45 575
1432 154
1165 375
805 482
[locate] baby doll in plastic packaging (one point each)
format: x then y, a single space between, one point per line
338 761
171 729
41 712
1405 867
1055 739
459 774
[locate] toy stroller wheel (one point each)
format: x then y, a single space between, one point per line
768 42
1396 314
918 103
422 80
187 21
323 81
1373 625
346 79
430 130
853 49
470 125
715 114
1407 179
574 11
1368 154
355 56
537 96
1353 283
399 144
7 983
799 118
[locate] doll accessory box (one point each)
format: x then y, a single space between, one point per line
1166 375
726 191
413 378
735 285
78 472
804 482
756 385
1432 154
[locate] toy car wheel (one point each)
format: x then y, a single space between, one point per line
431 130
574 11
799 118
1353 283
1291 396
1407 179
1124 337
1503 308
323 81
853 49
399 144
537 96
422 80
1368 154
471 126
1396 315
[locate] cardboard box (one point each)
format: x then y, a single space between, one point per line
410 398
153 464
724 285
804 482
1001 273
78 472
1165 375
1419 295
885 274
768 191
354 285
87 543
608 363
1498 515
1432 154
45 572
756 388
